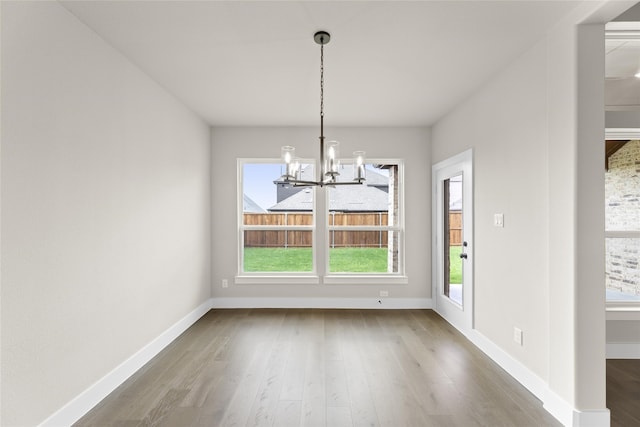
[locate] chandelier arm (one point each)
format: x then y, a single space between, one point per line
360 181
328 183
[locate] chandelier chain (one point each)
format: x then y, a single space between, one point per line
322 80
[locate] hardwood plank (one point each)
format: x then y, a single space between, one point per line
293 380
623 392
179 417
396 404
164 407
337 393
245 388
339 416
288 413
264 408
363 409
314 393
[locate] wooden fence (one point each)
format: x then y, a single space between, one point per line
297 238
455 228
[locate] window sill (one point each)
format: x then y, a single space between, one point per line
277 280
623 311
357 279
334 279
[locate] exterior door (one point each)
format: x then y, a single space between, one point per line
452 263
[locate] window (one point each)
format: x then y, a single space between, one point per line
622 218
364 222
361 226
277 224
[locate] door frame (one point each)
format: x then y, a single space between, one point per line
459 316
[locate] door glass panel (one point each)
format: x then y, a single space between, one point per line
453 243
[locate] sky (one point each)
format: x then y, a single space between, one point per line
258 182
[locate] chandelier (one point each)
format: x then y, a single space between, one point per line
329 160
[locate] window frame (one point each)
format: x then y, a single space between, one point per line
320 210
267 277
398 277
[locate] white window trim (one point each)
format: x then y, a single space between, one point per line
276 279
365 279
617 234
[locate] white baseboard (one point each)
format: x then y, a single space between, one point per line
344 303
515 368
85 401
562 410
558 407
592 418
616 350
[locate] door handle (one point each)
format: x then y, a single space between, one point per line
463 255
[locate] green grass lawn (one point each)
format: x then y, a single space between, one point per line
342 260
455 264
358 260
278 259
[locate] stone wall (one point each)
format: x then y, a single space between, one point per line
622 213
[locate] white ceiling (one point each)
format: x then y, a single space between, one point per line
622 88
390 63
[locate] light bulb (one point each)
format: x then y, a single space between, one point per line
358 170
332 160
287 153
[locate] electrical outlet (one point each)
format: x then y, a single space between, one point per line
225 283
517 335
384 293
498 220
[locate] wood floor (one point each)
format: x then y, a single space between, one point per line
623 392
332 368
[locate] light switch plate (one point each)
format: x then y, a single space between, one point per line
517 335
498 220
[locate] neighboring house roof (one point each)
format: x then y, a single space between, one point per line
373 178
356 198
455 205
248 205
359 199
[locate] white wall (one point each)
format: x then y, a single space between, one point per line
623 331
537 131
622 119
105 210
510 177
410 144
